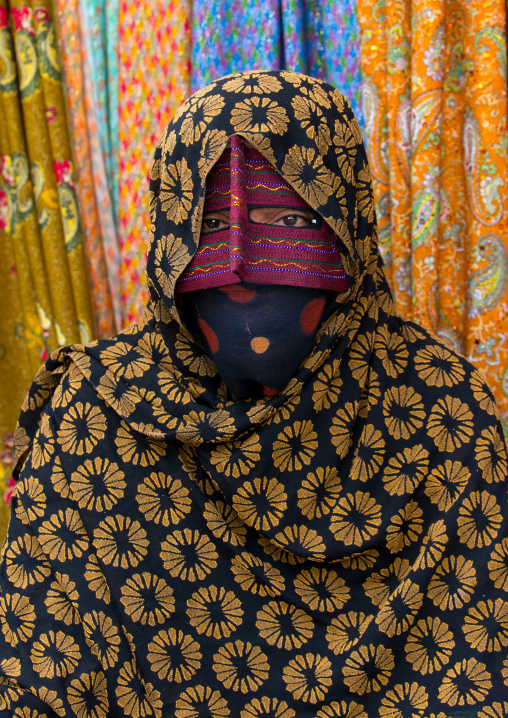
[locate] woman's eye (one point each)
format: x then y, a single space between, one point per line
213 224
294 220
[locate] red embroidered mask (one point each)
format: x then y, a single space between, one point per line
242 181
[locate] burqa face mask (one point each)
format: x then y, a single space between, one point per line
251 250
257 334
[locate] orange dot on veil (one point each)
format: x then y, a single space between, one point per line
210 335
311 314
260 344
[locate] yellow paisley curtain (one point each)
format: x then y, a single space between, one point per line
44 291
435 105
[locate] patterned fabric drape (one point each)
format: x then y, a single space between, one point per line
101 244
435 107
45 297
154 67
320 39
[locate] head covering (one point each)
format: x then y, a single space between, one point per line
338 549
241 181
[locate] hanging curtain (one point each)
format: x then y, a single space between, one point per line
435 109
154 67
99 229
317 38
45 298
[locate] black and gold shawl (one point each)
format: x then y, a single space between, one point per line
337 550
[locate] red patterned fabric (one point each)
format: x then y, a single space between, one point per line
254 252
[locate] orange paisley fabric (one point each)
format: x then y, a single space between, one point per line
435 105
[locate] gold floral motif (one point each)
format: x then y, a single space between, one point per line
404 697
490 453
453 583
313 121
295 446
25 562
125 360
138 449
369 454
171 258
88 695
43 446
303 168
406 470
479 520
321 589
147 599
174 656
259 114
342 709
31 500
283 625
261 503
224 523
137 698
188 555
192 701
327 386
176 193
450 423
342 426
346 630
437 366
81 429
253 82
62 599
198 425
433 546
403 411
213 143
256 576
97 485
346 148
163 499
63 537
270 707
308 677
197 361
398 613
17 618
202 113
214 612
498 565
120 542
345 523
467 683
102 637
392 352
482 394
379 586
446 483
241 666
486 625
300 539
429 645
319 492
360 357
368 669
405 527
237 458
54 654
96 580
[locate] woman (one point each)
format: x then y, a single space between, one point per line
235 511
